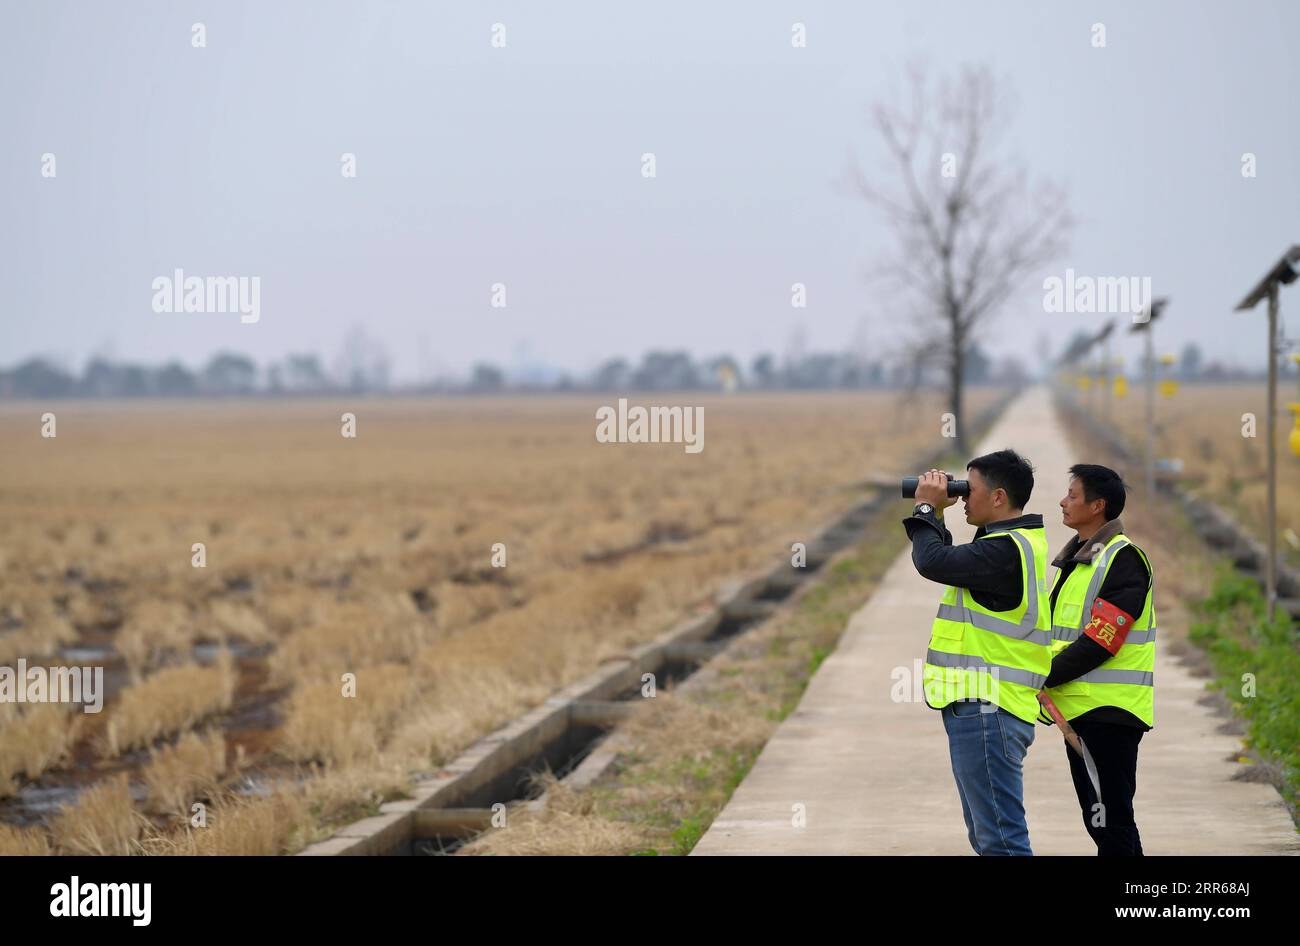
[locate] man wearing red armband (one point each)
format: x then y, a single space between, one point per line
1103 646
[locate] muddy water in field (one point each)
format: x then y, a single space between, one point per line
249 728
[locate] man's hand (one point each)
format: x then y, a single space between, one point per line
933 489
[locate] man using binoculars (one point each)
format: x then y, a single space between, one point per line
990 642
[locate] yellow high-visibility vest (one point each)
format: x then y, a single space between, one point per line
1000 656
1127 679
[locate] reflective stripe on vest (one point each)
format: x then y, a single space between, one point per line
971 662
1142 678
1071 634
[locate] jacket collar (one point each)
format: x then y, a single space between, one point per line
1030 520
1083 552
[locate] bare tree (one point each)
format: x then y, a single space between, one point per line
363 363
968 224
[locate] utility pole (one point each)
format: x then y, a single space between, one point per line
1156 307
1105 379
1149 449
1270 578
1283 273
1102 342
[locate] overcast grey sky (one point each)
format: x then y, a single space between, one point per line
521 165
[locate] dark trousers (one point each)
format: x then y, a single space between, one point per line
1114 749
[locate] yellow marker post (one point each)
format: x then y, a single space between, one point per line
1168 386
1294 407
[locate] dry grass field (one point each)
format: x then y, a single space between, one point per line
371 556
1202 426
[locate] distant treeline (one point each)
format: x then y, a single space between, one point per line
229 373
225 374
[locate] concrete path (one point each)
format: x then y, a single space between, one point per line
872 776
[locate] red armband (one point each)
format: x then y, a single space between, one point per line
1109 625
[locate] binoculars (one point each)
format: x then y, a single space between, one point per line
955 487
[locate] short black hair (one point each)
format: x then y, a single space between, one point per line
1008 470
1101 482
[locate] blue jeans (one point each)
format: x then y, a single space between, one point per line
988 745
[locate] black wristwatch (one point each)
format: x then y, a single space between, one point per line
922 509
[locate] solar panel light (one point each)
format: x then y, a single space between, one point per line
1285 272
